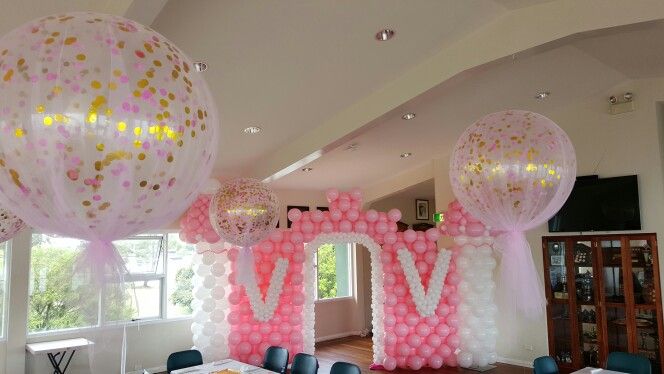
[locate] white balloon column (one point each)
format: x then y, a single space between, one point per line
475 265
210 328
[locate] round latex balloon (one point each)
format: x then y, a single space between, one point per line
244 211
513 170
107 128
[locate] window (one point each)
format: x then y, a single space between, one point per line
4 284
333 271
158 283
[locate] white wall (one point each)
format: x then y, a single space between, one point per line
406 205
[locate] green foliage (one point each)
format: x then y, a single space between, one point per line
327 274
59 298
183 294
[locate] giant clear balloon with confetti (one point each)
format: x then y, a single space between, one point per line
513 170
107 128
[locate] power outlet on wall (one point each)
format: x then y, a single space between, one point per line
528 347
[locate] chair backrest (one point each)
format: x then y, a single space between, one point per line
304 364
276 359
545 365
628 363
183 359
344 368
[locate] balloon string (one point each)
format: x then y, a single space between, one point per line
246 274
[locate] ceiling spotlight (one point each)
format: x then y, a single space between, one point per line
384 35
628 96
200 66
613 100
252 130
542 95
306 170
406 154
352 147
408 116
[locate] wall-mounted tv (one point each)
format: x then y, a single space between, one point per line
600 204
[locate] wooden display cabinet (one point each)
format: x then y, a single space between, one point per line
603 295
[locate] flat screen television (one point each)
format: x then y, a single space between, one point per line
600 204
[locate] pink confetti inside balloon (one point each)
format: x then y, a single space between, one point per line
244 211
107 130
513 170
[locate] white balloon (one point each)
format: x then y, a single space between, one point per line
461 240
208 305
493 357
218 269
201 293
209 281
201 316
465 359
202 270
218 292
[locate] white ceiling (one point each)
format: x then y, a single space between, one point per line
288 65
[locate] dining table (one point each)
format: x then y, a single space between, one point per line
590 370
221 366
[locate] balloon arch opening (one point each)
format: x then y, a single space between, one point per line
430 307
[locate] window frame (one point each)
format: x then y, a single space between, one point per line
101 320
4 314
351 276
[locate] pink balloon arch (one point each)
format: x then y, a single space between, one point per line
415 289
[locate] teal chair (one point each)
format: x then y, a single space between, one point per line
344 368
545 365
183 359
304 364
276 359
628 363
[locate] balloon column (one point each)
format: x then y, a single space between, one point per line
107 130
195 225
513 170
475 264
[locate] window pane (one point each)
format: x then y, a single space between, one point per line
180 277
4 284
56 299
333 271
142 255
141 301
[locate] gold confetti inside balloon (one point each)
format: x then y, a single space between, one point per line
106 128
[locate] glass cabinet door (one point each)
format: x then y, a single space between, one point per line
562 334
558 271
586 303
612 272
645 300
616 321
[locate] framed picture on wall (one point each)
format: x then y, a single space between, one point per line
422 210
300 207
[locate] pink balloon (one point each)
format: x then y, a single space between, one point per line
422 267
390 320
403 349
255 359
401 361
434 340
381 227
277 236
432 234
344 205
265 328
326 227
435 361
335 215
356 194
401 330
345 226
415 362
444 350
294 215
317 216
411 319
390 237
474 229
234 338
423 330
255 337
244 348
401 310
443 330
453 229
352 215
361 227
296 337
424 350
287 247
409 236
414 340
275 338
453 341
453 320
419 246
394 215
332 194
389 363
372 215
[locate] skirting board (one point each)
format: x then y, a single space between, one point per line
510 361
337 336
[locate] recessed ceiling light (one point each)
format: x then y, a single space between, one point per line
542 95
352 147
200 66
385 34
406 154
306 170
408 116
252 130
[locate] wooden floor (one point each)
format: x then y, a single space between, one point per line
359 351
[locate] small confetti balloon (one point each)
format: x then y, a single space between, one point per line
513 170
107 129
10 225
244 211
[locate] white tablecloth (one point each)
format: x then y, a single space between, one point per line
596 371
212 367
